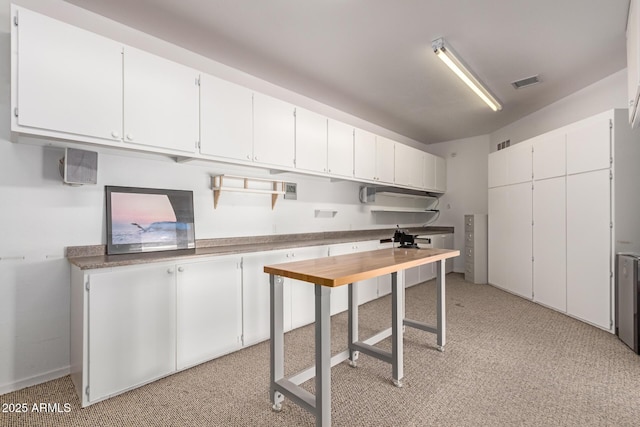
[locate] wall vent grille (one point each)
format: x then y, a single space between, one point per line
526 82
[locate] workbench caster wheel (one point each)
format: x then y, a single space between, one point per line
397 383
277 407
353 363
440 348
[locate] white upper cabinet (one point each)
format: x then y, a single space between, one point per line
226 119
497 168
633 62
429 170
549 156
409 166
273 131
441 174
161 100
519 163
311 141
385 163
588 146
364 146
340 148
65 79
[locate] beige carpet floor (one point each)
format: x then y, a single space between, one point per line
508 362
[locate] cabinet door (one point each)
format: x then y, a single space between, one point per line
441 174
519 163
311 141
497 168
519 240
256 295
498 236
589 247
340 148
549 156
549 243
385 159
633 59
209 310
132 328
429 180
273 131
588 146
364 147
226 119
161 100
68 80
409 166
368 290
303 308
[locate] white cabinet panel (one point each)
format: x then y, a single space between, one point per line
519 163
633 62
498 236
385 159
497 168
255 296
409 166
161 102
589 247
132 328
549 156
68 80
226 119
549 243
429 179
209 310
273 131
303 307
518 261
441 175
364 155
311 141
340 148
588 146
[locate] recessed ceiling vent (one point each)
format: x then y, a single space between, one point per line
529 81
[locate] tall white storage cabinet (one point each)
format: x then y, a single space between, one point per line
584 210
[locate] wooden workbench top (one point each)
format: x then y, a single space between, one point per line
344 269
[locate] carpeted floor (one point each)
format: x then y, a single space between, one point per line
507 362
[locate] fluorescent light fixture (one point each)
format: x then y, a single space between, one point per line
447 56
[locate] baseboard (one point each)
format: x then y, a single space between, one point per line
36 379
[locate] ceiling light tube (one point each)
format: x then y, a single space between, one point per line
447 56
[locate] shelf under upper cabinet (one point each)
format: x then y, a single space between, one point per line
231 183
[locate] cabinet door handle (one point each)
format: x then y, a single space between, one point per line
169 270
115 134
129 137
180 269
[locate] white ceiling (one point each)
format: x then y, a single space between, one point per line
373 58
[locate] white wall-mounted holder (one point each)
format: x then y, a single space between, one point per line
325 213
244 184
392 199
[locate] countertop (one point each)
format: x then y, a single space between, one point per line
95 256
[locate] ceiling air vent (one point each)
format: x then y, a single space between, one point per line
529 81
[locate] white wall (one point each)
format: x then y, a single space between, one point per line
40 216
466 185
606 94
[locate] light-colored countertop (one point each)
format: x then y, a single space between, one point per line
94 257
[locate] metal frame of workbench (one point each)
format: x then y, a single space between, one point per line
320 403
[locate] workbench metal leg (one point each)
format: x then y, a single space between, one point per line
441 314
323 356
396 330
353 323
277 338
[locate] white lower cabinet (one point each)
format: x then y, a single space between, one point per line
133 325
123 329
209 310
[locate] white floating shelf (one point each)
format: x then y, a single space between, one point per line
243 184
401 209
